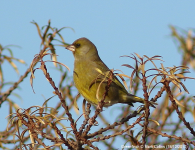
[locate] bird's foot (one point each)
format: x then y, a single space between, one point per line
99 107
90 121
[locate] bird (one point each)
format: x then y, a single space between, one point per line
91 73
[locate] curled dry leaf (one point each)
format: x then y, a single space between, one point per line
75 102
156 122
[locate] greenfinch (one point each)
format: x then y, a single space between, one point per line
90 72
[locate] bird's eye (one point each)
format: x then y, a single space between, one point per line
77 45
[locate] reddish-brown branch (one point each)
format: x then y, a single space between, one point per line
171 136
147 111
166 83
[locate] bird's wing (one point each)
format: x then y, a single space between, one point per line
104 70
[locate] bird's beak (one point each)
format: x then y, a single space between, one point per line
71 48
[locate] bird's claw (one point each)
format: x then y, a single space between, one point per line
91 122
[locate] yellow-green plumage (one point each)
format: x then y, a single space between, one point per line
87 68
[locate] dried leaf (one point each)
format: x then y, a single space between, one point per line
38 29
32 139
189 43
194 113
180 76
59 63
138 56
151 59
157 123
75 102
129 66
143 69
178 103
124 82
1 75
44 104
97 92
176 83
31 78
13 65
163 67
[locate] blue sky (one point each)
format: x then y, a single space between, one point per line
116 28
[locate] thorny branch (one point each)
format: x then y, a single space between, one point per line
84 135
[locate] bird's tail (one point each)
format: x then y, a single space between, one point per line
130 99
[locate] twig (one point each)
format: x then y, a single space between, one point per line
9 91
100 106
73 125
86 118
62 137
171 136
118 133
166 83
123 120
147 111
162 89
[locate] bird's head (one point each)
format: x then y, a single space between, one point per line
83 48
